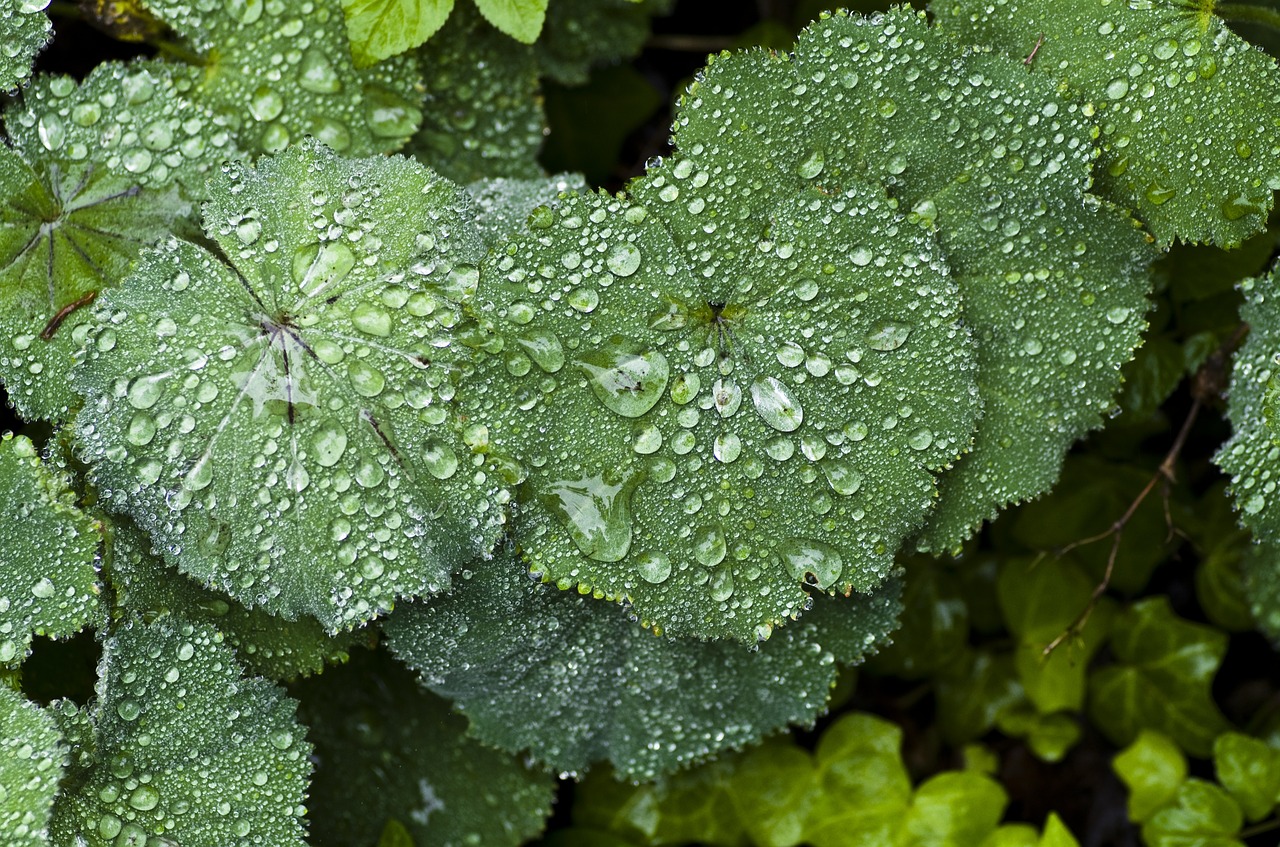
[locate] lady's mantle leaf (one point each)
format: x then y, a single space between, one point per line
279 71
48 585
520 19
1186 108
32 758
380 29
993 159
414 765
503 205
709 433
1251 456
575 682
135 120
66 232
277 415
180 746
24 31
266 644
581 33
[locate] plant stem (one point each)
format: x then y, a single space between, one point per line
1245 13
1259 828
690 43
64 9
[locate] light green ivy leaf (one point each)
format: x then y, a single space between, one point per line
1250 770
1184 106
316 90
48 585
575 682
1152 768
24 31
179 745
709 434
520 19
267 645
33 756
393 751
380 29
1161 680
996 162
1201 815
66 233
276 415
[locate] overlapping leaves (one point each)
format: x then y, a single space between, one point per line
275 411
1185 107
575 682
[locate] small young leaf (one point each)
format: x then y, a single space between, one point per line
599 687
1162 679
520 19
48 585
32 759
1202 814
380 29
1056 834
66 233
1152 768
275 415
1250 770
313 88
1184 105
24 31
182 747
701 438
392 751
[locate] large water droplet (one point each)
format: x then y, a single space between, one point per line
596 512
328 443
144 391
841 476
440 459
709 546
727 397
805 556
888 335
316 73
319 267
627 378
653 567
623 260
776 405
544 348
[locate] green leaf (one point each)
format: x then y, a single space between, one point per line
265 644
589 124
1202 815
581 33
137 120
1049 736
24 31
1056 833
394 834
32 759
1153 769
1183 104
575 681
520 19
775 789
1250 770
66 233
313 87
715 453
503 206
996 162
393 751
865 790
380 29
1162 679
1221 578
1261 569
275 415
1248 455
48 585
973 694
935 624
483 117
181 746
954 809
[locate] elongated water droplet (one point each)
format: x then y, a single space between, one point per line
627 378
841 476
888 336
709 546
544 348
319 267
596 512
328 443
776 405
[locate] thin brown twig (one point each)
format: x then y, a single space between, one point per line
690 43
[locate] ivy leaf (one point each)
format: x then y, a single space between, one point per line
276 415
1250 770
974 693
380 29
316 90
137 120
934 634
505 648
266 645
1050 736
865 789
24 31
581 33
1152 768
66 233
483 116
995 161
520 19
503 205
1202 814
1183 104
49 585
414 763
1162 679
954 809
728 427
181 747
33 756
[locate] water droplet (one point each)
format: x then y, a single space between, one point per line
440 459
265 104
316 73
128 709
709 546
813 163
648 439
144 391
721 585
861 256
1118 315
920 439
1159 195
805 556
596 512
43 588
888 108
328 443
584 299
841 476
653 567
727 397
623 260
1117 88
388 114
319 267
684 388
888 336
727 447
371 319
142 428
776 405
806 289
144 798
544 348
626 378
200 475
